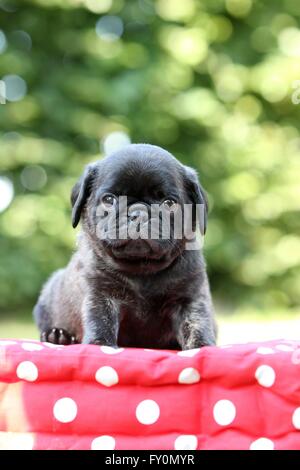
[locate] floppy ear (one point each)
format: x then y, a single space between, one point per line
197 195
81 191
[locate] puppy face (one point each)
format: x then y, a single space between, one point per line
132 203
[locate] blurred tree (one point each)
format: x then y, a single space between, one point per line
210 80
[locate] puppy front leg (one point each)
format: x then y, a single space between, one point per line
100 322
195 326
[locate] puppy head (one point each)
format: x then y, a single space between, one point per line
133 207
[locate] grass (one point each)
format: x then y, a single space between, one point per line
18 329
239 328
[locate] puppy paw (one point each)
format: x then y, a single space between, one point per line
58 336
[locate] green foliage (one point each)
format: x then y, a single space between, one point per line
211 80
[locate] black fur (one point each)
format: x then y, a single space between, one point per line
152 294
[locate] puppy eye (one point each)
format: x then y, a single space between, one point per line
108 200
170 205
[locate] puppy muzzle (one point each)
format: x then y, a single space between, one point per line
138 249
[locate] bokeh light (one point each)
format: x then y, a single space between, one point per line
9 6
15 87
109 28
238 8
175 10
289 42
6 193
21 39
3 42
98 6
115 141
33 177
186 45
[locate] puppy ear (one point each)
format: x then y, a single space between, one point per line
197 195
81 191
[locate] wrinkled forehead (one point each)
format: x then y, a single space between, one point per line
141 178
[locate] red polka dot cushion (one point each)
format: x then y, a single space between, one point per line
91 397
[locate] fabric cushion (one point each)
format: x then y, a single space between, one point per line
90 397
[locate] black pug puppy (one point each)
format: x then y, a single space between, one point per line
131 292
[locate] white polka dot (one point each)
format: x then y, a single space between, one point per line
107 376
110 350
262 444
17 441
284 347
32 346
103 443
265 376
189 376
27 371
56 346
224 412
65 410
264 350
150 350
188 352
296 357
296 418
147 412
7 343
186 442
